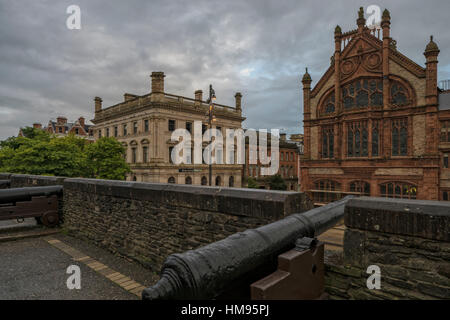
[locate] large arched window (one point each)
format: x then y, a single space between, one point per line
171 180
360 186
325 191
188 180
362 93
399 95
399 137
329 106
357 139
403 190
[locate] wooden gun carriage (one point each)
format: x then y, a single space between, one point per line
38 202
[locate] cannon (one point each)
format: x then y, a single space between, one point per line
226 268
5 184
38 202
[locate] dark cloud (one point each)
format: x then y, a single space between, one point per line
257 47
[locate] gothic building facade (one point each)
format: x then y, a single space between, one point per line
374 124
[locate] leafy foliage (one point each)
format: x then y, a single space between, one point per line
276 182
37 152
251 183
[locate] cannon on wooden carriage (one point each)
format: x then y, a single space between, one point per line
38 202
4 184
226 269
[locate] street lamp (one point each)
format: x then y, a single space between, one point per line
211 119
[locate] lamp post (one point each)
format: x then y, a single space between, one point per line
211 118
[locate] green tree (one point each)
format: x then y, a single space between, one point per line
39 153
276 182
251 183
106 159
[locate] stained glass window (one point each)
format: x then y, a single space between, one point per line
357 139
363 93
327 142
398 190
398 95
399 137
375 142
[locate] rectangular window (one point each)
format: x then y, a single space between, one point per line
445 131
446 161
204 128
107 132
357 139
171 125
133 155
135 127
99 133
328 142
146 125
116 131
189 126
399 137
145 154
125 131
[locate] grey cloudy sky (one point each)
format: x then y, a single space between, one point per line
259 48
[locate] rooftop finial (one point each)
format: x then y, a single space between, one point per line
306 76
338 29
431 46
361 13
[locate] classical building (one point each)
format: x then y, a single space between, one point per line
61 128
288 164
376 123
144 125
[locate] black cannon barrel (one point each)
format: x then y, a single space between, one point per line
4 183
25 194
206 272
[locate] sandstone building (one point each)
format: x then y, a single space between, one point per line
144 125
288 164
376 122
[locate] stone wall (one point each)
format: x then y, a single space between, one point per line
408 239
148 221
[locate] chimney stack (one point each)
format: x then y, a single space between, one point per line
81 120
238 97
157 82
199 95
98 104
61 120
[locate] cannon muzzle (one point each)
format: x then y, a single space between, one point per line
215 270
25 194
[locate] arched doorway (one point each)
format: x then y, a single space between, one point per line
231 181
218 181
204 181
171 180
188 180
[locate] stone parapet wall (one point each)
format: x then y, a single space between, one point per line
148 221
409 240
